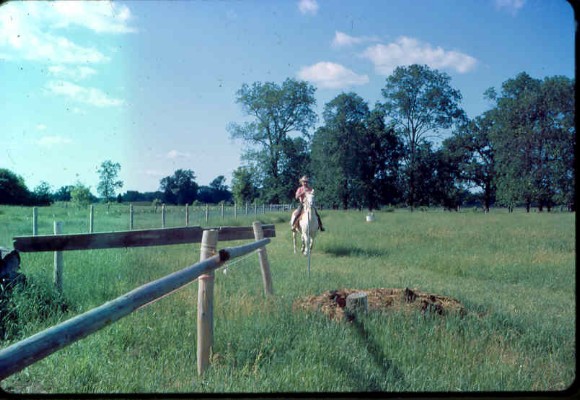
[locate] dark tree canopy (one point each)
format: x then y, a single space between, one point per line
534 136
13 190
355 156
180 188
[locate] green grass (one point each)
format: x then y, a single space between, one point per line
515 274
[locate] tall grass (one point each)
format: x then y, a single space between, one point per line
515 274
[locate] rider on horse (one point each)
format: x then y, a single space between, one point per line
300 196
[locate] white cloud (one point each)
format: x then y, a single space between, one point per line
328 75
173 154
41 127
98 16
82 94
511 6
341 39
74 73
406 51
308 7
50 141
30 30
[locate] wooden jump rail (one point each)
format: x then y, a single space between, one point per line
28 351
135 238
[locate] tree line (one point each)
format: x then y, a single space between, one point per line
417 147
179 188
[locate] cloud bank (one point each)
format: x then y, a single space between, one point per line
406 51
328 75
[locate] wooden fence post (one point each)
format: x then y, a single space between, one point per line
222 211
206 213
246 208
34 221
263 257
235 210
186 214
58 260
205 303
163 215
130 217
91 218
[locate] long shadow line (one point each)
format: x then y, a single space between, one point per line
380 359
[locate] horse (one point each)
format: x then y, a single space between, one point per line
307 226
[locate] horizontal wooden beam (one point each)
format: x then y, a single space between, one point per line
20 355
228 233
136 238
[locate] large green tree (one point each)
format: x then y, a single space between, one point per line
336 150
13 190
420 103
41 195
179 188
276 112
471 149
534 135
243 187
354 154
108 182
80 195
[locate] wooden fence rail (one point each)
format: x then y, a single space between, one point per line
135 238
26 352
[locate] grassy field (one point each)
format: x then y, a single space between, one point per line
514 273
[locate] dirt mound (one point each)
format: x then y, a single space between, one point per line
333 302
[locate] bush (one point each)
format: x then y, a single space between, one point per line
32 302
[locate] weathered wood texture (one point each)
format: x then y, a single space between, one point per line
136 238
357 303
58 260
205 303
263 257
26 352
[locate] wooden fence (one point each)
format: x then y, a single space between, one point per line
26 352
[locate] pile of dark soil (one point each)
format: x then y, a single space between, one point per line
332 303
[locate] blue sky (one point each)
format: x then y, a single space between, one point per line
152 85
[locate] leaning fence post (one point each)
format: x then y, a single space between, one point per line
58 260
34 221
205 303
263 257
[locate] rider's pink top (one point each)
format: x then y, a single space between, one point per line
301 192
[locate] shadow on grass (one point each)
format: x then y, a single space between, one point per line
353 251
389 377
385 365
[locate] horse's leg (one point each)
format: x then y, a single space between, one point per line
294 240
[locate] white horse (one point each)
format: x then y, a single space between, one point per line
308 225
